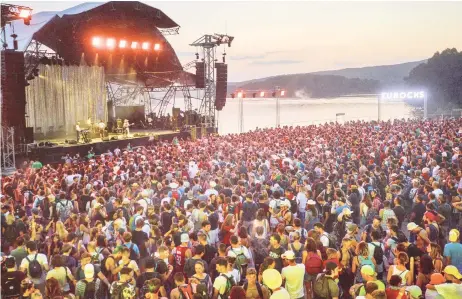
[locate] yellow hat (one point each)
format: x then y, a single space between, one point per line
272 278
452 270
454 235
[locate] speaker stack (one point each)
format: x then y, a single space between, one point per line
200 75
222 85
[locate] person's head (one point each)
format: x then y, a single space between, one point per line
370 287
401 259
234 240
378 294
454 236
368 273
251 276
125 253
268 263
319 227
362 249
332 253
153 285
395 280
426 264
376 221
199 250
451 273
434 250
206 226
31 247
222 249
10 263
127 236
52 288
57 261
125 274
311 245
289 256
85 258
275 240
222 265
331 269
199 267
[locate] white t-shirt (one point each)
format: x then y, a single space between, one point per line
42 259
294 276
324 240
301 200
220 283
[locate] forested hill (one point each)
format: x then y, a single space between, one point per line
365 80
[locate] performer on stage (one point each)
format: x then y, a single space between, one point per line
126 128
150 122
78 130
101 127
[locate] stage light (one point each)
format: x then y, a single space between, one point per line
122 44
283 93
110 43
262 94
156 47
239 94
96 42
25 13
134 45
145 46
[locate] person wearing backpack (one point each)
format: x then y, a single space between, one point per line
313 264
133 248
241 253
325 286
89 287
189 267
126 284
224 281
377 251
11 280
35 265
362 259
64 208
183 290
248 212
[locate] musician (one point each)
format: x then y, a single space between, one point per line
126 128
78 130
101 127
150 124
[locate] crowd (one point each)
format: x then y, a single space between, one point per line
360 210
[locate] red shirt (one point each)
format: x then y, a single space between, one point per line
393 294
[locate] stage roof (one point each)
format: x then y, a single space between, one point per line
69 34
39 20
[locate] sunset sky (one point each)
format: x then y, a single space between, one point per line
283 37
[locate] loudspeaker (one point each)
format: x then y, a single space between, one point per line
29 135
222 85
13 90
200 75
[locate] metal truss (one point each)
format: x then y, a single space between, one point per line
208 43
33 56
169 31
8 162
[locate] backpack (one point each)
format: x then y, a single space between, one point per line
185 292
293 206
175 195
260 292
320 285
95 257
35 269
313 264
118 290
277 208
11 233
241 260
332 240
229 284
371 213
64 211
231 209
11 287
133 255
378 253
90 289
132 222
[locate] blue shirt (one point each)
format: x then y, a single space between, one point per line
454 252
135 247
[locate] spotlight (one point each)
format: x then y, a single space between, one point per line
134 45
156 47
24 13
110 43
96 42
145 46
262 94
239 94
122 44
283 93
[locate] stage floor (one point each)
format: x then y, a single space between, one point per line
134 133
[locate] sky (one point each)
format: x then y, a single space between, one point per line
285 37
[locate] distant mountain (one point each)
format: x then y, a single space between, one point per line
364 80
388 75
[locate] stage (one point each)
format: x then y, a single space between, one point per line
54 154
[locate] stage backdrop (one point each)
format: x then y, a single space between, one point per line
63 95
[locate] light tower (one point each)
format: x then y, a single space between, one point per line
208 44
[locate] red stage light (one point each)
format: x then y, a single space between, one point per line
96 42
145 46
134 45
110 43
282 93
122 44
156 47
262 94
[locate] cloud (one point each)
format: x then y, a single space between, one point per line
247 57
274 62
